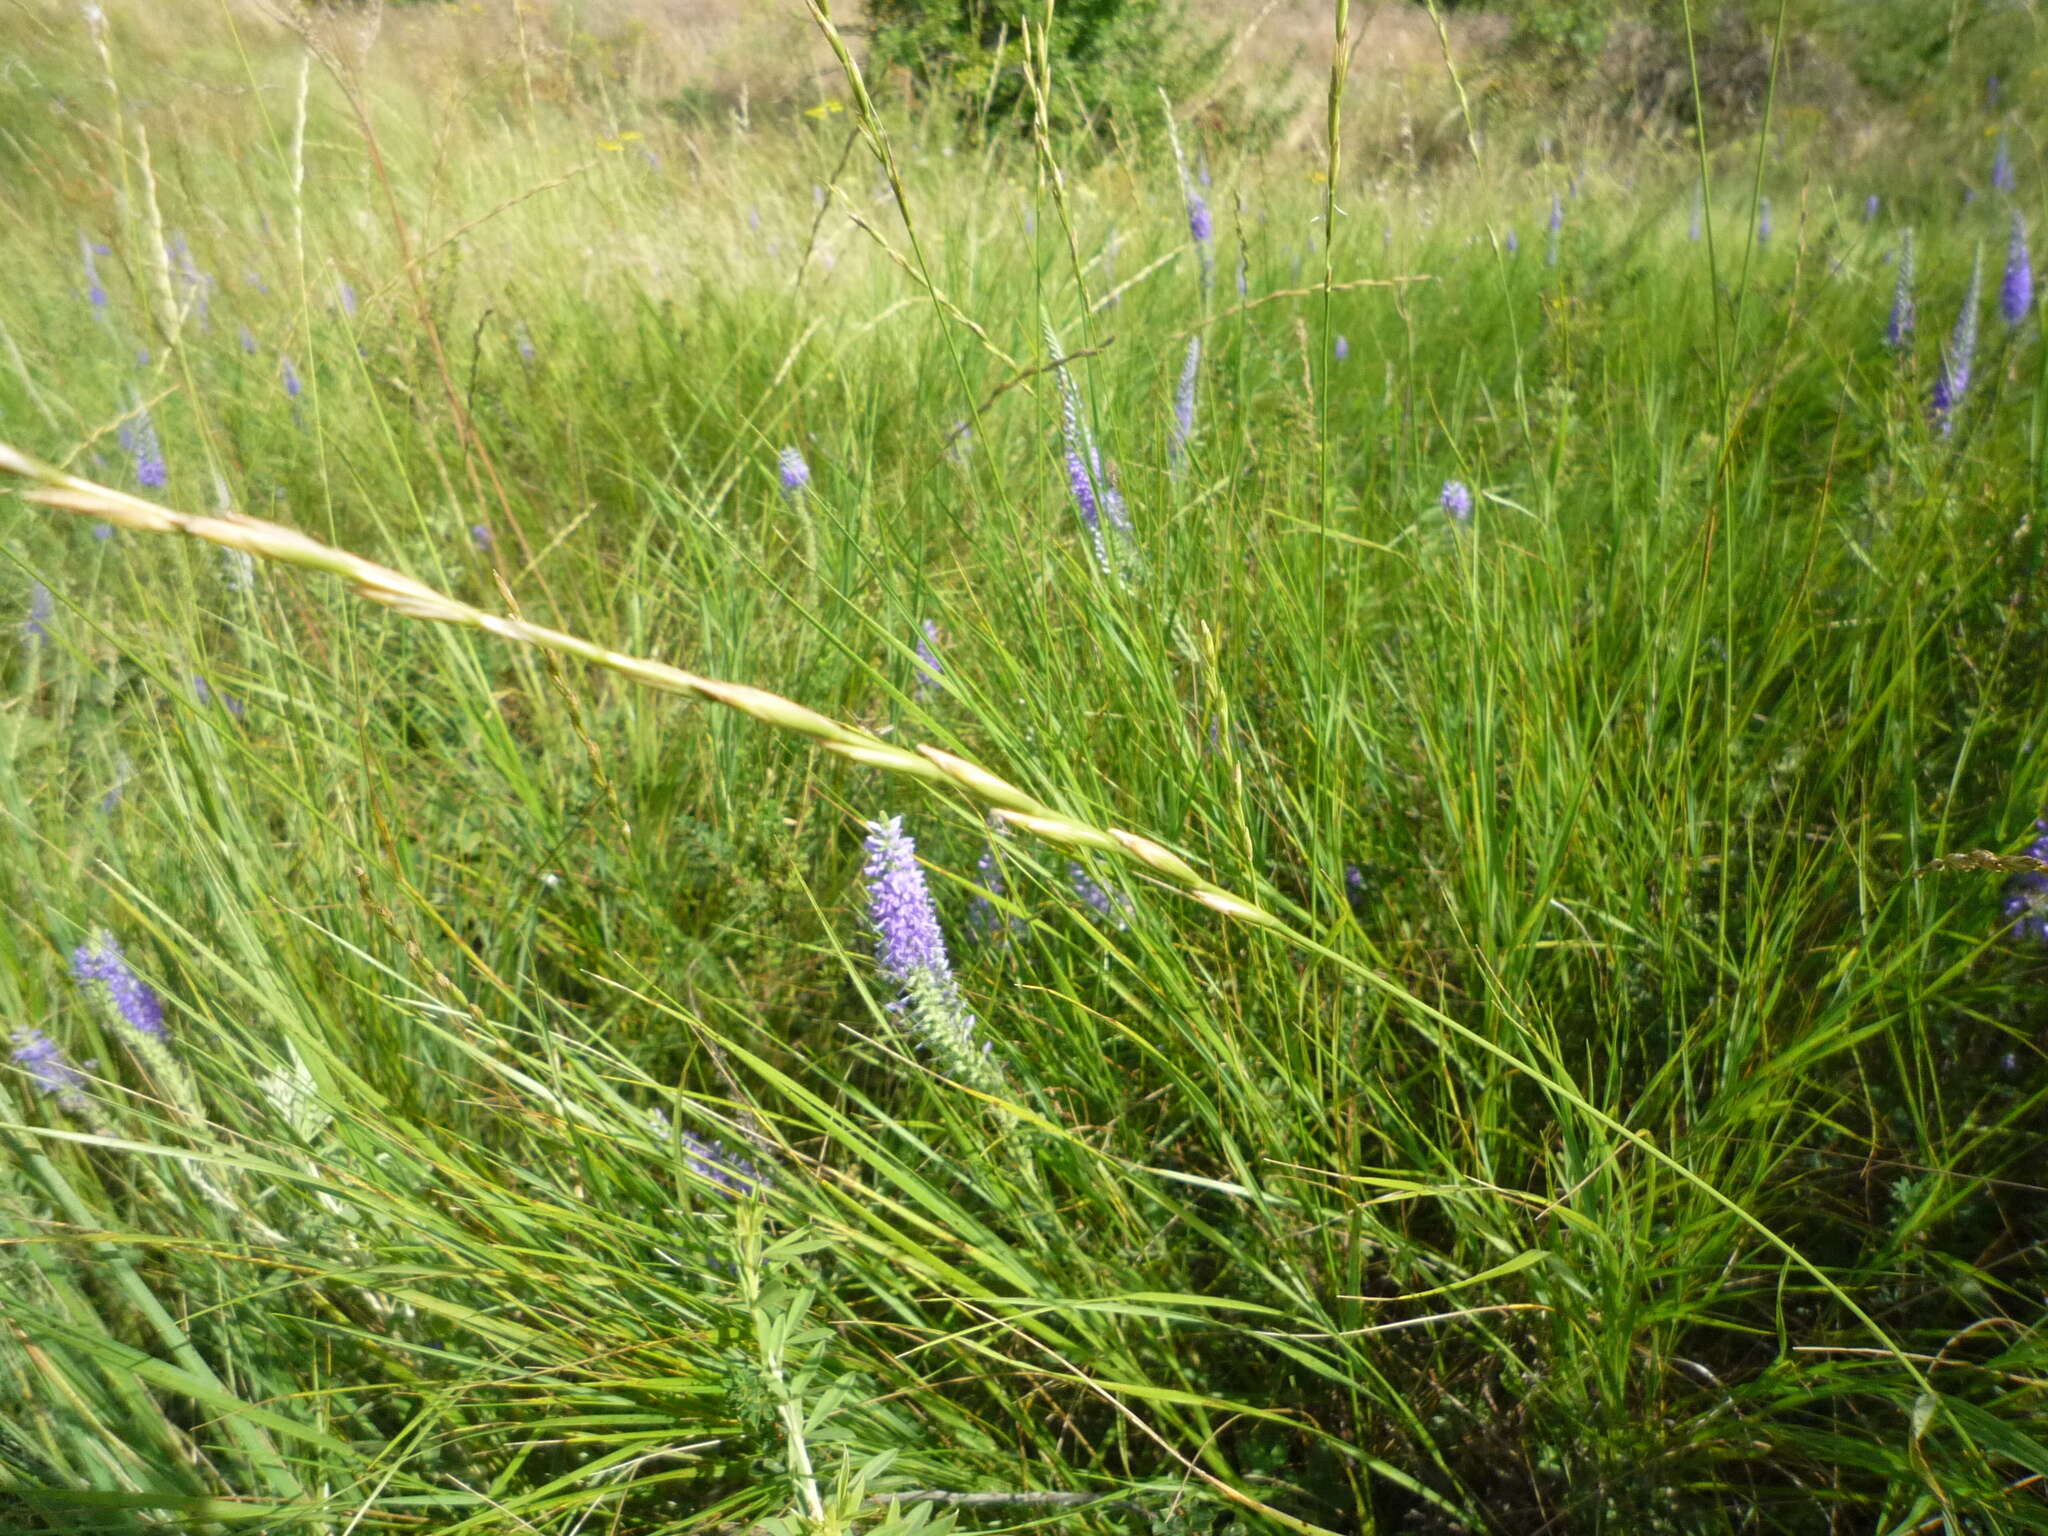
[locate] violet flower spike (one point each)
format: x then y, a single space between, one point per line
2024 901
123 771
2002 177
1513 245
1184 404
1763 221
203 694
1203 228
2016 293
46 1065
1354 886
196 282
1084 463
728 1173
99 965
1110 908
1960 354
1870 207
139 438
1084 499
42 608
794 473
1341 349
982 917
930 673
910 948
1456 500
289 377
1898 331
95 290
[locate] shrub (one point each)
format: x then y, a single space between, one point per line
1108 59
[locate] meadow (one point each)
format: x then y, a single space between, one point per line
783 817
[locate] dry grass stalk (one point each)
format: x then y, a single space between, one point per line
52 487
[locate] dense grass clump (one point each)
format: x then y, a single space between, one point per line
1559 1046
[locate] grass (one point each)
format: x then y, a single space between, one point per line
1618 1133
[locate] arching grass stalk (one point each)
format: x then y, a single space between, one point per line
53 487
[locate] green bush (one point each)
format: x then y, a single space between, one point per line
1108 59
1837 49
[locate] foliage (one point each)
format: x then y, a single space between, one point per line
1845 55
1110 58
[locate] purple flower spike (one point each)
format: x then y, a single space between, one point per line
203 694
1960 354
793 471
1084 465
1110 908
346 292
247 338
1456 500
290 378
982 917
1342 349
929 670
2016 293
42 608
1763 221
49 1069
1870 207
95 290
139 438
1556 214
1898 332
1200 225
1514 245
2025 903
2002 177
99 964
910 948
480 536
730 1174
1091 518
1184 404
